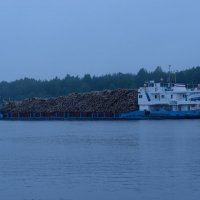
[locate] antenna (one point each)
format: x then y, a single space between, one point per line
175 73
169 75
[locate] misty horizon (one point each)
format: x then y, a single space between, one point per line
43 78
44 39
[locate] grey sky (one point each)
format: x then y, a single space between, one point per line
47 38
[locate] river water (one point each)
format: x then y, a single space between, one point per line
100 160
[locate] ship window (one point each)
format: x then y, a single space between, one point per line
156 96
162 96
151 84
140 96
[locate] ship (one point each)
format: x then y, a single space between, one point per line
155 100
166 101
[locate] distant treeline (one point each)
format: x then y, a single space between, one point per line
27 87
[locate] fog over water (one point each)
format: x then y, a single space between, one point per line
48 38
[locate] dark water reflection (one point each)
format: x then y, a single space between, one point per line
100 160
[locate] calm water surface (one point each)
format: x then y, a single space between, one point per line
100 160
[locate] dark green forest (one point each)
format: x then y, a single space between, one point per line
28 87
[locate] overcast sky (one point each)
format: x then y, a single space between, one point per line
48 38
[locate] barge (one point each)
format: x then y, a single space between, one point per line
155 101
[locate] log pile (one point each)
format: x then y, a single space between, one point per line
120 100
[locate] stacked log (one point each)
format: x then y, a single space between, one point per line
120 100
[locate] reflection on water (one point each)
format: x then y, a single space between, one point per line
100 160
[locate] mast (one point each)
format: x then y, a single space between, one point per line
169 75
175 75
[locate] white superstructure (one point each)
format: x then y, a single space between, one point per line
168 97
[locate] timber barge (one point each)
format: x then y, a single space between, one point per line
97 105
152 101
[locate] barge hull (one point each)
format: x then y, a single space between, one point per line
134 115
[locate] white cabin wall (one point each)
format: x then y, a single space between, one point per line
144 107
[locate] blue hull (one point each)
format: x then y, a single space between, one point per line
141 115
135 115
